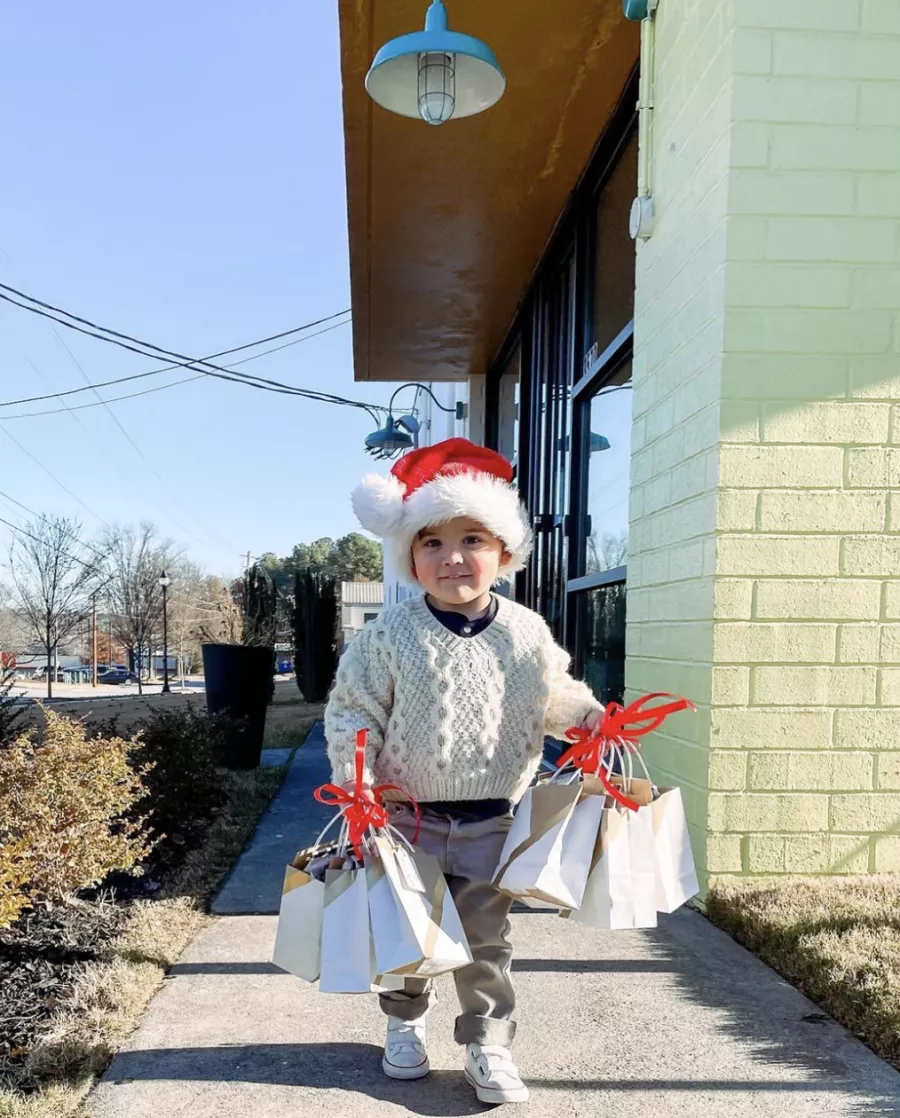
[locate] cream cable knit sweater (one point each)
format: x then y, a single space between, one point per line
452 718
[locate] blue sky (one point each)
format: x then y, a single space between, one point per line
175 171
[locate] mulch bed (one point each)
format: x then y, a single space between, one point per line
41 956
46 949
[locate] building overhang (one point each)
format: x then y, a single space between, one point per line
447 224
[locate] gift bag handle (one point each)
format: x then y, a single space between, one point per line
617 735
360 813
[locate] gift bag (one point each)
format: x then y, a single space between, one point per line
621 888
298 937
676 874
346 958
547 853
416 929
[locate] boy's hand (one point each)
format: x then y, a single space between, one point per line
593 720
365 792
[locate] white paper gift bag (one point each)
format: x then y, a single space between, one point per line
676 873
298 937
347 964
639 825
608 899
621 888
547 853
416 929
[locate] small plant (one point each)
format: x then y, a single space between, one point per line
13 880
179 750
67 815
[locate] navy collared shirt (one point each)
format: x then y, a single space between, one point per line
459 624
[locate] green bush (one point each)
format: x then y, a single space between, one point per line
183 786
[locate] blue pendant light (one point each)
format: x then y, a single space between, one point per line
435 74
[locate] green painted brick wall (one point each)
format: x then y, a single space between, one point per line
766 583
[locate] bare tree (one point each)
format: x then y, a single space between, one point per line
189 609
51 582
135 559
607 553
224 616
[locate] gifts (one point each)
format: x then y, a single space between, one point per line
298 937
676 875
547 853
621 888
415 927
365 912
610 850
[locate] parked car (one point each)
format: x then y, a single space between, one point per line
116 676
41 676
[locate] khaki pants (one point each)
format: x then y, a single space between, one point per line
468 854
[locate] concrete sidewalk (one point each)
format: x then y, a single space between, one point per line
678 1021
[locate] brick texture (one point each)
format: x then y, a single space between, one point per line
676 369
767 401
802 640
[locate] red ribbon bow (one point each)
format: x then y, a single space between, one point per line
620 726
361 812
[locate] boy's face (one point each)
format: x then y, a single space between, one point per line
457 562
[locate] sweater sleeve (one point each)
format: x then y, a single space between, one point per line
361 699
569 701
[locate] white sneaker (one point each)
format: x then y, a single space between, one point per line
405 1056
490 1070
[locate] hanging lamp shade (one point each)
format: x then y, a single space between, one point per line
435 74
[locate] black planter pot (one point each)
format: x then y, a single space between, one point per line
239 683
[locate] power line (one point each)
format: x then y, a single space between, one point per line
54 478
114 337
147 391
179 365
37 539
109 400
165 511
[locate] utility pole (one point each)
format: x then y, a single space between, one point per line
94 641
164 582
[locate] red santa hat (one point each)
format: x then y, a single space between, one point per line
439 483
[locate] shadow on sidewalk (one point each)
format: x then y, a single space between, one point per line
346 1067
765 1013
357 1067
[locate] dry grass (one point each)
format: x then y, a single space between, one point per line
110 996
288 710
836 939
128 710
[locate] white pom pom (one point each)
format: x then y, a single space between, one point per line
378 504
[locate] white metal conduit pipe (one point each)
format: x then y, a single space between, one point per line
642 210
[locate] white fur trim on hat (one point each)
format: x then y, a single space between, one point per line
378 504
481 496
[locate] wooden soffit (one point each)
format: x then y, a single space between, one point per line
447 224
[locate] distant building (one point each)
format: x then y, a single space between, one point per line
361 602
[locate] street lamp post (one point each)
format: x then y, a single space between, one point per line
164 582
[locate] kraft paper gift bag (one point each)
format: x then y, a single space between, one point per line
676 873
621 889
547 853
347 964
416 929
298 938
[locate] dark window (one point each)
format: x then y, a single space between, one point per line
367 617
602 632
571 343
613 263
